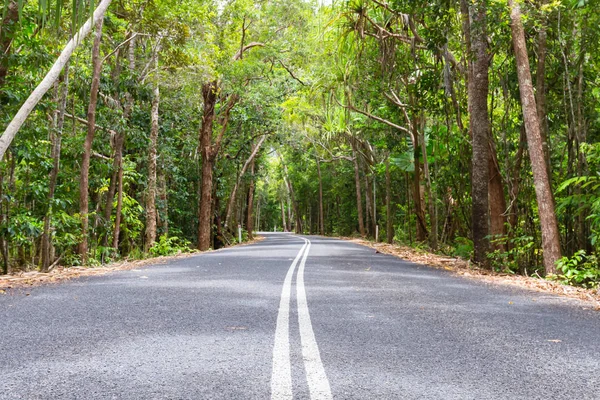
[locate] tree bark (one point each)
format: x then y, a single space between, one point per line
497 201
416 189
48 81
209 93
6 35
321 216
56 135
388 203
361 225
284 226
549 226
478 88
87 147
433 238
250 203
151 195
293 198
540 87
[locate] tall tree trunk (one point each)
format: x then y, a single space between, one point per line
151 195
11 130
209 93
250 203
543 190
497 201
433 238
9 22
540 87
361 225
284 226
56 135
388 203
87 147
416 188
164 203
369 223
321 216
478 88
293 198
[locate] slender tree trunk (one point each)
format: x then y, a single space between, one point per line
51 77
164 203
388 202
9 22
361 225
543 190
250 203
433 239
540 87
293 199
321 216
87 147
416 189
284 224
53 177
369 224
151 195
478 88
497 201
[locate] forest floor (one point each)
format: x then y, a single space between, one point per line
465 268
25 279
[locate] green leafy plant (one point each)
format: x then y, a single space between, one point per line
580 270
167 246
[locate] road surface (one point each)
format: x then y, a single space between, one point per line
294 317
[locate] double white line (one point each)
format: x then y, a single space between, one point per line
281 377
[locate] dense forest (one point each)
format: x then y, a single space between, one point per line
146 127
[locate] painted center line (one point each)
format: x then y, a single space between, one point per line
318 384
281 378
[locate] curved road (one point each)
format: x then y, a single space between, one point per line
294 317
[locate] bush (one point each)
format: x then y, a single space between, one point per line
579 270
167 246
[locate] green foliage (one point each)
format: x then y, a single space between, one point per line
463 247
167 246
579 270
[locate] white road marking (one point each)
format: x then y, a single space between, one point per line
281 376
318 384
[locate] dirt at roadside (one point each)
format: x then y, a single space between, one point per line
59 274
465 268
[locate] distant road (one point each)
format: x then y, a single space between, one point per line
294 317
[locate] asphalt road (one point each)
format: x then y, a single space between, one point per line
293 317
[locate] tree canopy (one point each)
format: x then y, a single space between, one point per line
464 127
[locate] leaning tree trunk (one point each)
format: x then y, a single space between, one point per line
543 190
87 147
540 86
53 176
48 81
478 88
151 195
